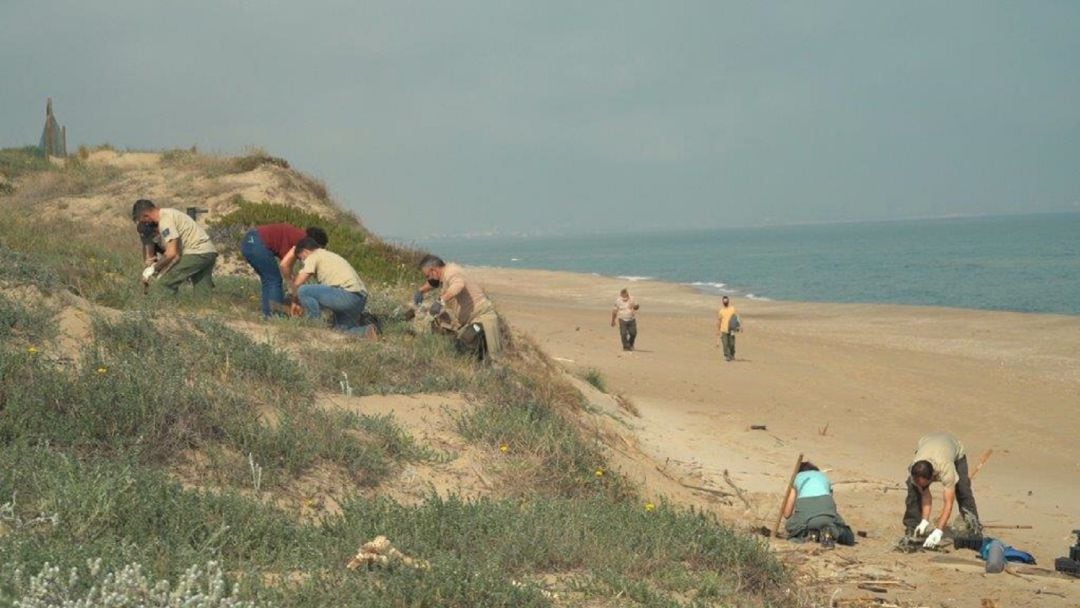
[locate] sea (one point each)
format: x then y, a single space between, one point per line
1027 263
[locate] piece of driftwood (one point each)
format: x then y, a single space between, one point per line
982 460
783 499
1007 527
738 492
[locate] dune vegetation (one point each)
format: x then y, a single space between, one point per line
159 451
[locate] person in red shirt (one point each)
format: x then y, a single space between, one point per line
271 251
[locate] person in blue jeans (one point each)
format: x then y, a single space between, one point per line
338 289
270 250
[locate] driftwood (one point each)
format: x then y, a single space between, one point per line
982 460
738 490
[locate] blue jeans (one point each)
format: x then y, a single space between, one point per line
346 305
266 266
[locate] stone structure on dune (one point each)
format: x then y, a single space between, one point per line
54 136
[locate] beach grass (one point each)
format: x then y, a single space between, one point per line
173 443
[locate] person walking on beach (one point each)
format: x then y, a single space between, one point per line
189 253
727 323
939 457
271 252
624 312
339 288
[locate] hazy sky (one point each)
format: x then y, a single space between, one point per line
454 117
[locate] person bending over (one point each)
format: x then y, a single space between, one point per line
939 457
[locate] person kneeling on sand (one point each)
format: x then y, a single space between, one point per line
189 253
811 511
466 303
939 457
339 288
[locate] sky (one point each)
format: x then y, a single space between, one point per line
455 118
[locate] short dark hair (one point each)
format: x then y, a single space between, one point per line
307 244
808 466
922 469
431 260
141 206
319 235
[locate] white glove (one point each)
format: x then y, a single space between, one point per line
148 272
933 540
923 526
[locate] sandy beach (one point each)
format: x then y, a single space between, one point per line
852 387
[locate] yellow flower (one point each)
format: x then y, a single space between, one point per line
102 370
650 507
32 350
600 471
504 448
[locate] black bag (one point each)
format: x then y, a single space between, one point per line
471 340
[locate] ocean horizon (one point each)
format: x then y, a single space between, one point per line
1024 263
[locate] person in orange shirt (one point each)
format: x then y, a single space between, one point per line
727 324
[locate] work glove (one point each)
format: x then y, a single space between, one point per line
436 308
932 540
148 272
923 526
418 298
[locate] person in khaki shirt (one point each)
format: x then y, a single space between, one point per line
464 299
726 318
189 254
338 289
624 312
939 457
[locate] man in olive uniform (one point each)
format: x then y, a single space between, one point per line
189 255
939 457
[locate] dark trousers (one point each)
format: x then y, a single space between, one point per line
965 499
728 339
628 333
266 266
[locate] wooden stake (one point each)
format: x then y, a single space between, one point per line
783 501
982 460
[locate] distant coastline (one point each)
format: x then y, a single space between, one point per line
1023 263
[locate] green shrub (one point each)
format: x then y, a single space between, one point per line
377 262
595 378
15 162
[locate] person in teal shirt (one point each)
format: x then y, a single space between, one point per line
811 511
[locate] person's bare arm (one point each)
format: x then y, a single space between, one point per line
927 502
171 256
297 282
614 312
286 265
948 499
789 505
149 254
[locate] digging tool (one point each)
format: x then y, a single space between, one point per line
783 500
982 460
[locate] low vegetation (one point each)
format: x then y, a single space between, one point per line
171 445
